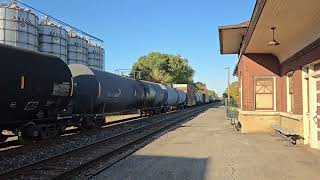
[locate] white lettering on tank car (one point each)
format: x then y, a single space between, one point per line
49 103
31 105
13 105
115 94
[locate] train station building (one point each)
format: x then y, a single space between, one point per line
278 68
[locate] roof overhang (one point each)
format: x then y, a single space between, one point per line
297 26
231 38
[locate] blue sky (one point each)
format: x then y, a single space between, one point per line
132 28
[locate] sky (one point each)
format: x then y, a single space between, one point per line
133 28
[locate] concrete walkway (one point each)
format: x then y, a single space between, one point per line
208 147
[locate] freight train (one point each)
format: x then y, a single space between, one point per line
41 95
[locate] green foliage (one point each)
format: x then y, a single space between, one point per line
168 69
212 93
164 68
234 90
201 87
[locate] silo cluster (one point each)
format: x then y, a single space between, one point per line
77 49
53 39
95 56
18 27
21 28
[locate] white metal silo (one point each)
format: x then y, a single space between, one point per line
53 39
95 56
102 60
18 27
77 49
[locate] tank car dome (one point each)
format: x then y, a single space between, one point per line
80 69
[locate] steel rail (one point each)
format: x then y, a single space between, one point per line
40 168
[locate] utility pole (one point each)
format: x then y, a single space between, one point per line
228 101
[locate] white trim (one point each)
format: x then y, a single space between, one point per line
314 74
275 93
289 109
314 142
306 105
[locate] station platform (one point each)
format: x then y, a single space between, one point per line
208 147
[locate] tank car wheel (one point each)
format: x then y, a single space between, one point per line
61 127
157 111
87 123
29 133
3 138
140 112
99 122
154 112
151 113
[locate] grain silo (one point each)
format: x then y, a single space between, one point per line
53 39
18 26
95 56
77 49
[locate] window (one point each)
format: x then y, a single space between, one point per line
290 92
264 93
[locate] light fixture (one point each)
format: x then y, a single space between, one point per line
274 42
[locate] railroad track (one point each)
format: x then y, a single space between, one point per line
12 144
97 156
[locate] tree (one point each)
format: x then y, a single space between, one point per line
167 69
212 93
164 68
201 87
234 91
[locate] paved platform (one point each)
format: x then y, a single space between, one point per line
208 147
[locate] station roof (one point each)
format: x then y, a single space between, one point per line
297 26
231 37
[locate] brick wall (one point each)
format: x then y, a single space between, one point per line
252 65
282 94
297 92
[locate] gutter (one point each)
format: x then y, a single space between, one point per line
258 8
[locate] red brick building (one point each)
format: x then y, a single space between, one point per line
278 67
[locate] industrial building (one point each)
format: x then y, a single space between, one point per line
278 68
25 27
